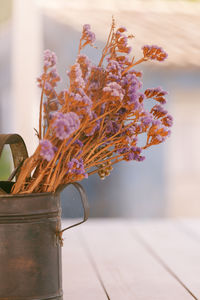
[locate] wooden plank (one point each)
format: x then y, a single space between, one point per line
79 278
191 227
178 251
127 269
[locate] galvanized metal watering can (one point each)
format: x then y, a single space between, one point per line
30 236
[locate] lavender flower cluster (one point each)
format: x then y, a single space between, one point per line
65 124
88 34
77 167
49 58
154 52
47 150
103 107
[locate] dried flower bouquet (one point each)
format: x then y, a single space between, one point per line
98 120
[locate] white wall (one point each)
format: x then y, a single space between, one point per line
26 55
183 155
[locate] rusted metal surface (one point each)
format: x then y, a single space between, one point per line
29 251
31 238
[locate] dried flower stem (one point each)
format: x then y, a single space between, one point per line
97 121
97 170
134 64
105 50
41 106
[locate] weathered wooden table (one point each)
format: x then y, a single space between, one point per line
137 260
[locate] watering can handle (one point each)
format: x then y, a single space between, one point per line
18 148
84 201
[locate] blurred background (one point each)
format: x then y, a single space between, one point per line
167 183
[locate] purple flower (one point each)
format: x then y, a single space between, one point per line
114 70
48 87
66 124
88 35
85 65
122 29
157 123
78 142
160 138
54 75
114 66
94 85
159 109
113 77
86 27
77 167
159 91
123 150
133 98
145 117
131 153
168 120
47 150
157 94
115 90
146 121
134 154
86 102
154 52
75 75
132 130
92 131
49 58
91 37
132 85
95 127
122 60
131 138
112 127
